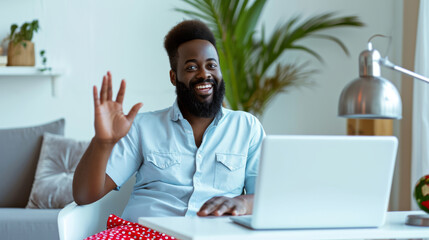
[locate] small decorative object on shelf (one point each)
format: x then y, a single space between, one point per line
21 49
421 195
3 59
44 60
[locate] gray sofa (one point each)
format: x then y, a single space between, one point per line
19 154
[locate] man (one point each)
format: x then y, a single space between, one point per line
192 158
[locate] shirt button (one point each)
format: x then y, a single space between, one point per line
199 155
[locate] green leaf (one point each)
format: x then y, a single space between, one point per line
12 31
306 49
25 32
334 39
248 20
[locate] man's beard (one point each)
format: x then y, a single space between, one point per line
187 98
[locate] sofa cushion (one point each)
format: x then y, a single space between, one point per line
21 223
19 153
52 187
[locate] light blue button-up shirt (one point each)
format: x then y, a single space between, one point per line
173 176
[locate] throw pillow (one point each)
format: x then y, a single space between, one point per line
52 187
19 152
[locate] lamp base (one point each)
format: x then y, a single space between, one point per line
418 220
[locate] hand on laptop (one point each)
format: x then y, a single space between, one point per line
218 206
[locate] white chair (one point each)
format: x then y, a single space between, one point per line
76 222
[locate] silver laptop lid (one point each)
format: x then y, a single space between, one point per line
323 181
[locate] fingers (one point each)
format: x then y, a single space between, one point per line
219 206
121 92
96 99
225 207
109 86
133 112
106 92
208 207
103 91
238 210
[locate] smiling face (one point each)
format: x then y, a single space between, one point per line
198 79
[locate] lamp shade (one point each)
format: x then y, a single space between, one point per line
370 97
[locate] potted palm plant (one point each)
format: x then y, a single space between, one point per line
21 49
251 68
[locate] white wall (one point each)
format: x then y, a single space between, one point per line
87 38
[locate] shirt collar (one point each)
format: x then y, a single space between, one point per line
176 114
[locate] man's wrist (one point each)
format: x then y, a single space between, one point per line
104 144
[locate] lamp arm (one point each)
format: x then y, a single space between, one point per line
385 62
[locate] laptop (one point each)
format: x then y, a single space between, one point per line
318 182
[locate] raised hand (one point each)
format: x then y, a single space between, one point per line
111 124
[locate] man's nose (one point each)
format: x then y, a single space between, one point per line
203 73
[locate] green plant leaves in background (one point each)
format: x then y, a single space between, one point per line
25 32
251 68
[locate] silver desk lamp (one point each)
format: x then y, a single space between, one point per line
372 97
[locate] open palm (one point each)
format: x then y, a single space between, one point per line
111 124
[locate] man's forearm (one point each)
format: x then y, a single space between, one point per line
90 181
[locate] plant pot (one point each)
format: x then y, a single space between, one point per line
18 55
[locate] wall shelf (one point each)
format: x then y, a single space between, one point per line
10 72
26 72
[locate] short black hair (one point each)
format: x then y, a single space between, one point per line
183 32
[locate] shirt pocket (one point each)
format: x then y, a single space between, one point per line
229 171
163 167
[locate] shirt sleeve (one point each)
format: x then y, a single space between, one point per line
125 158
253 156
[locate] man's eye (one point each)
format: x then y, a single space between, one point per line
212 65
191 68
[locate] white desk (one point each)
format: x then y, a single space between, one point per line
209 228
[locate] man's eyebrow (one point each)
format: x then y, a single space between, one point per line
195 60
191 60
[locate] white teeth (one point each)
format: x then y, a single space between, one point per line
204 86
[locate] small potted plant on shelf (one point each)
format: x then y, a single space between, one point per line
44 61
21 49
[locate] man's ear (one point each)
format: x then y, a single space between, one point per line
173 77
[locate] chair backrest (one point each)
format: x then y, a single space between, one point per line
76 222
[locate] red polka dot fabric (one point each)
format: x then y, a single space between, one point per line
119 229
